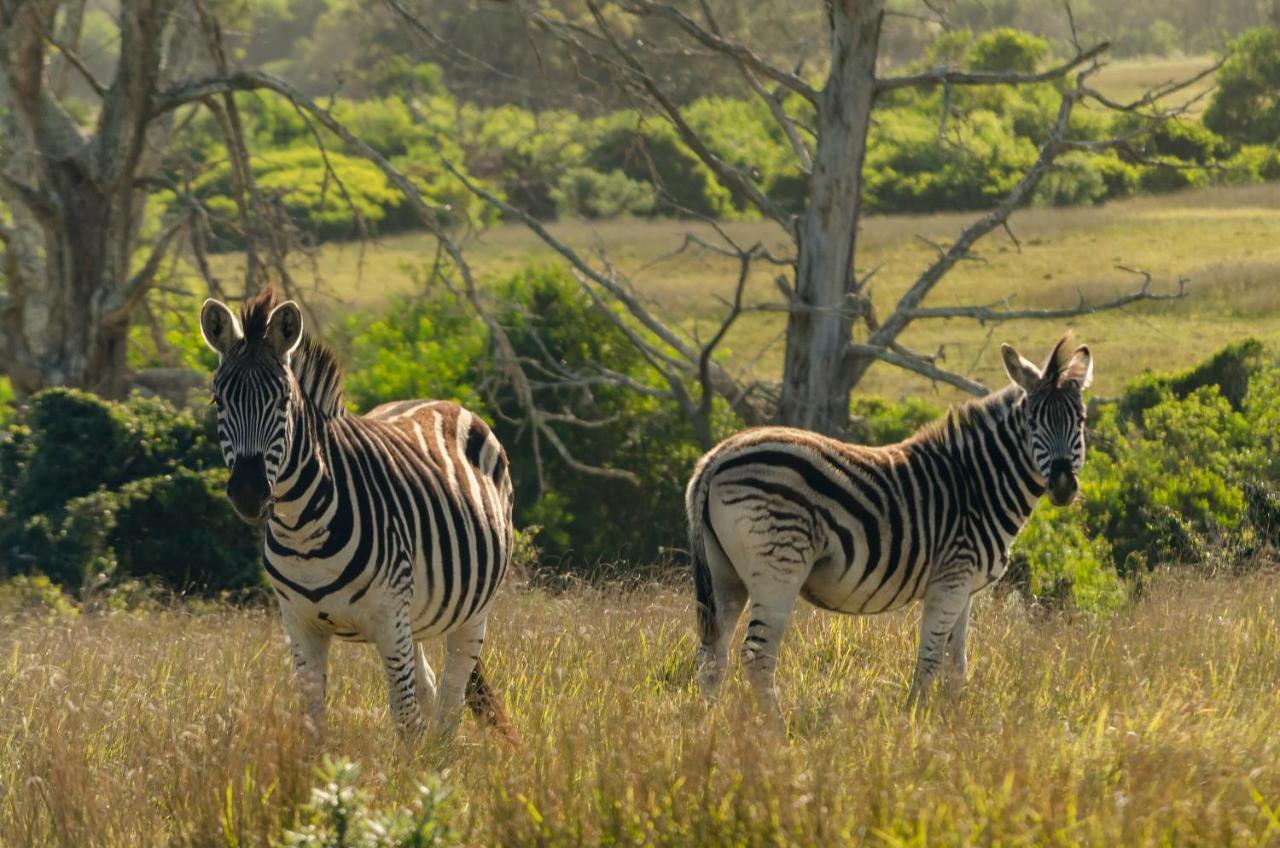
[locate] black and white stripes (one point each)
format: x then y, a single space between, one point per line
776 514
388 528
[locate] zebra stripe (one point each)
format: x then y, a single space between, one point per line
776 514
391 528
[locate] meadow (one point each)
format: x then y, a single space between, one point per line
1155 724
1225 241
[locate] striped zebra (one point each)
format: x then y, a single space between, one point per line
778 513
390 528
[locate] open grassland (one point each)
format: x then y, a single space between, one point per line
1156 725
1125 80
1226 241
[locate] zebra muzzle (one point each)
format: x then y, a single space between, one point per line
247 489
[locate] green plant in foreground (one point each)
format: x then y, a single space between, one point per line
339 815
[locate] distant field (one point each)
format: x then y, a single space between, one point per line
1128 79
1226 241
1154 726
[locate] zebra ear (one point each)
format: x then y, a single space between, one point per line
1079 370
219 326
1020 370
284 328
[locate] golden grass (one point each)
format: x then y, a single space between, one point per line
1156 725
1225 240
1126 80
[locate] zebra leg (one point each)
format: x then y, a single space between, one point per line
957 667
943 607
730 597
400 658
425 681
309 649
767 626
462 650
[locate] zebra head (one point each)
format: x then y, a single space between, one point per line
255 392
1055 413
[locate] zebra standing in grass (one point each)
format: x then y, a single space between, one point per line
777 513
388 528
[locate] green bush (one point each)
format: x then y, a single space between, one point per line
1007 49
1246 99
591 194
649 151
421 347
132 489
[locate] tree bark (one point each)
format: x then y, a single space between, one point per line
815 389
75 197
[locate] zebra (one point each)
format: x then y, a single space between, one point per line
777 513
390 527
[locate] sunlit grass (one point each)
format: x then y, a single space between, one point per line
1156 725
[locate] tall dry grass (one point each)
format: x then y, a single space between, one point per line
1157 724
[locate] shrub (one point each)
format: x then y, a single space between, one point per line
1246 100
591 194
90 486
177 529
1007 49
338 815
650 152
876 421
428 346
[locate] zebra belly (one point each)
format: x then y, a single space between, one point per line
864 589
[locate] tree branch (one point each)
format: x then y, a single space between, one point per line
942 76
985 314
739 52
920 366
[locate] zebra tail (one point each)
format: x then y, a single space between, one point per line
487 707
703 590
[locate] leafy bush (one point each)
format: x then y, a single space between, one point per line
339 815
650 152
1246 100
89 486
591 194
420 347
1007 49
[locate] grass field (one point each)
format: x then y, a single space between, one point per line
1225 241
1155 725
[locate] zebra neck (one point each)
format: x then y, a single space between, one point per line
305 477
992 447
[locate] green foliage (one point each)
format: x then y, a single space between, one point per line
876 421
339 815
1229 371
585 518
1246 101
33 595
427 346
89 486
1055 558
591 194
1008 49
649 151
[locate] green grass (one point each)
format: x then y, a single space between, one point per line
1226 241
1156 725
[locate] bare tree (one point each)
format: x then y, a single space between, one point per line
79 158
833 336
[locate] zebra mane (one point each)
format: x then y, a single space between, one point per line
319 376
958 417
313 364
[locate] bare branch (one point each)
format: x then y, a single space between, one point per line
73 59
942 76
985 314
716 42
920 366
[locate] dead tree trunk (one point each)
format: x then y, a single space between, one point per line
76 195
815 392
